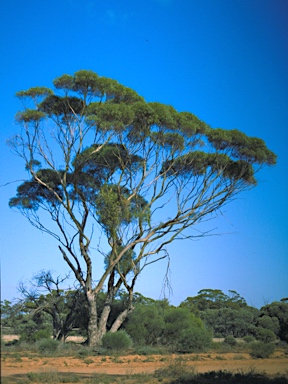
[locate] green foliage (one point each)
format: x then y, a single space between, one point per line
227 321
261 350
230 340
268 322
116 341
215 299
241 147
28 329
184 331
45 309
194 339
278 312
42 334
223 314
145 324
47 346
264 335
52 377
224 377
249 339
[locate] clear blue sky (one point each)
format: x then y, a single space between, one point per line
225 61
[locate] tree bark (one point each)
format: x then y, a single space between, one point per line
120 319
94 336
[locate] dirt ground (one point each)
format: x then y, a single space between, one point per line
143 364
204 362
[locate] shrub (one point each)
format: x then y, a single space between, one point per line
230 340
177 369
261 350
194 340
145 325
51 377
42 334
47 345
117 340
249 339
83 353
265 335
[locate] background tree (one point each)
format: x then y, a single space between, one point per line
105 163
17 318
223 314
214 299
274 317
65 307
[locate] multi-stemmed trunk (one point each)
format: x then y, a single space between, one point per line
98 328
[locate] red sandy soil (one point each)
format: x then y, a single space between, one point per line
143 364
204 362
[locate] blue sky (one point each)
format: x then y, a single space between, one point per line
225 61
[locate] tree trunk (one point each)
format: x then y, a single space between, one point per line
120 319
94 336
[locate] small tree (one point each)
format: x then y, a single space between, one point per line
45 295
105 163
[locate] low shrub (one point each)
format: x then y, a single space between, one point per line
42 334
52 377
176 369
46 346
230 340
224 377
265 335
249 339
84 352
119 340
261 350
194 340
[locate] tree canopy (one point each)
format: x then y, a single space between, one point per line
104 163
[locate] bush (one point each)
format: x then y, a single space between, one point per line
47 346
261 350
230 340
177 369
117 340
249 339
265 335
194 340
145 324
42 334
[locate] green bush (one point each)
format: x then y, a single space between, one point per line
145 324
261 350
249 339
117 340
194 340
47 346
179 369
84 352
42 334
265 335
230 340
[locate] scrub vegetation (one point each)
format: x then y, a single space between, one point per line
154 326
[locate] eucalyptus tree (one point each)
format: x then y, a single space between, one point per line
121 178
